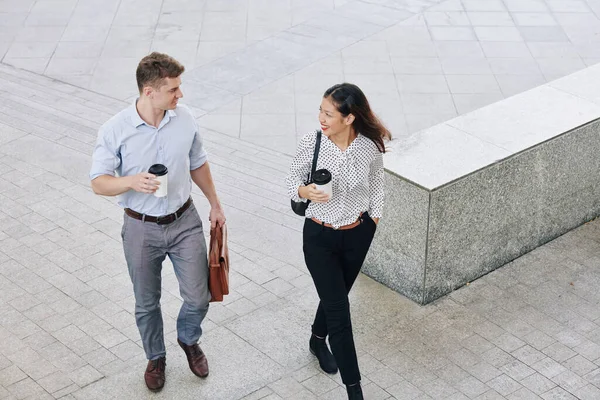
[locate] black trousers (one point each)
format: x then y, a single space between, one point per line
334 258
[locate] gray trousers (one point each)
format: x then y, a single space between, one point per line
146 245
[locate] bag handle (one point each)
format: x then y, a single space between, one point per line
315 156
214 244
224 244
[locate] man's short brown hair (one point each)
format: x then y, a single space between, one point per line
155 67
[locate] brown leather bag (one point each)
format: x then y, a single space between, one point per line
218 259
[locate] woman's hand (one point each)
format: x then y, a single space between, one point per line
311 193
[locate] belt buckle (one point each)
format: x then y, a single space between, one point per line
165 219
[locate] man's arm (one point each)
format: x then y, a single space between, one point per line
203 178
107 185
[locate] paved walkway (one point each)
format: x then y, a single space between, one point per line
528 330
421 62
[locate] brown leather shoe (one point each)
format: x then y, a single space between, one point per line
155 374
196 359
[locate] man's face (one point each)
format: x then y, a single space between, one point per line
167 96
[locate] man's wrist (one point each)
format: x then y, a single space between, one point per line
217 206
128 181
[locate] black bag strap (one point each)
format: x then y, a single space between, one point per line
315 156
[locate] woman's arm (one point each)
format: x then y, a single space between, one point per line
376 187
300 167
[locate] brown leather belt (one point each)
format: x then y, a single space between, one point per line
343 227
163 219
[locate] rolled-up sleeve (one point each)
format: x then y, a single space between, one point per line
198 155
301 165
105 159
376 186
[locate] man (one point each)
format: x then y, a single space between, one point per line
156 130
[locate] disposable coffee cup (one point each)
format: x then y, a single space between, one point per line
322 179
161 175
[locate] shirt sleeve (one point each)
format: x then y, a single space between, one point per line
376 186
198 155
301 165
105 158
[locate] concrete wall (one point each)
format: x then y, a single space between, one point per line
465 197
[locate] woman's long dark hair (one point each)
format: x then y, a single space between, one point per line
349 99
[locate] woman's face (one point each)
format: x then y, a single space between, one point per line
332 121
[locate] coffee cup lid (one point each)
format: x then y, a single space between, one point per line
321 177
158 170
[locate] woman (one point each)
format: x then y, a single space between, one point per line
338 230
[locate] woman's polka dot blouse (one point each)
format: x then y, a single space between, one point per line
357 178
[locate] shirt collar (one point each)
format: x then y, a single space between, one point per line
136 120
358 139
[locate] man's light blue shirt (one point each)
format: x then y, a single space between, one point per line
128 146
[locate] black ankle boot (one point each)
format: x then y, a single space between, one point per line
354 392
326 360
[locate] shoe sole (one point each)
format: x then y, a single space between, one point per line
327 372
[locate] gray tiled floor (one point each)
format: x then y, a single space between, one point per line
463 53
256 70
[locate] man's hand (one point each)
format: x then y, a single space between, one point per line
216 216
313 194
144 183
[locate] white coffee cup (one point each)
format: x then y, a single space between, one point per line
161 173
322 180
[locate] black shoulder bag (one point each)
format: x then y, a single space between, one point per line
299 207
